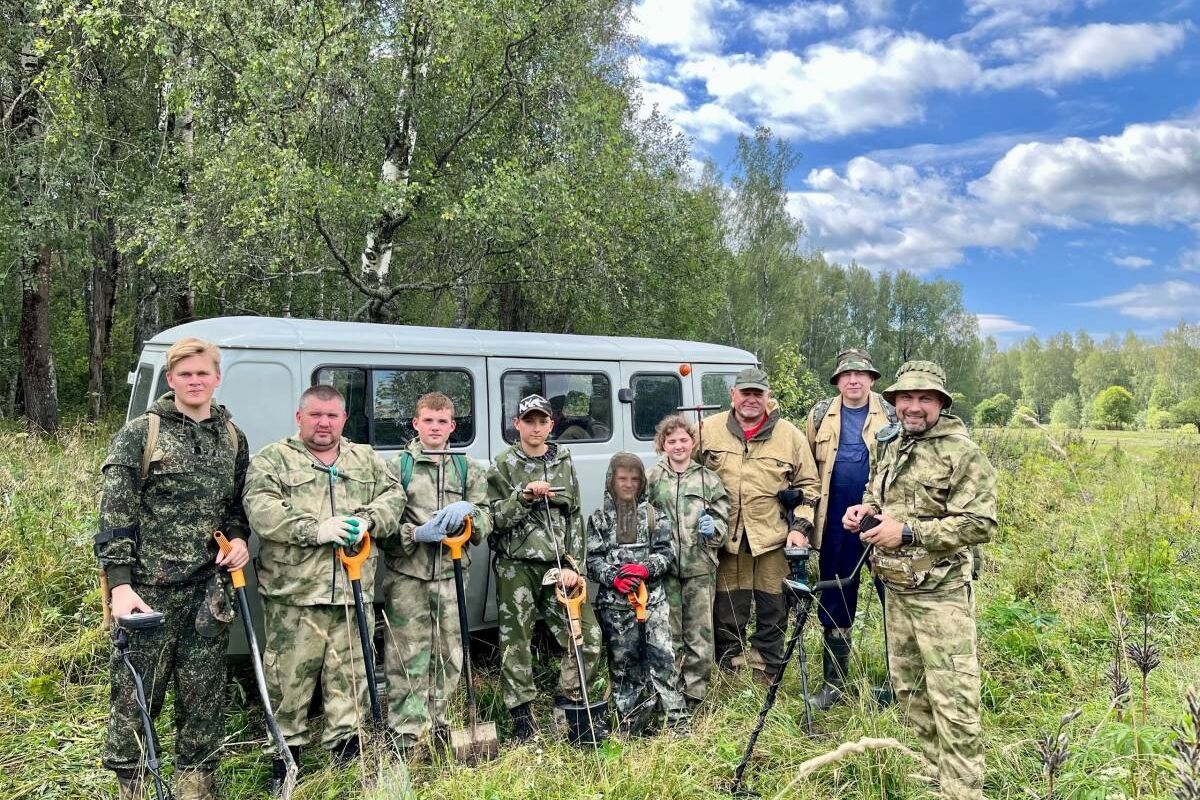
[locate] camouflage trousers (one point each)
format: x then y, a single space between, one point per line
691 601
749 584
520 598
173 654
935 673
424 653
305 644
641 659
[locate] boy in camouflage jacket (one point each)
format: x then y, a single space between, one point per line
528 545
692 498
424 651
158 512
628 544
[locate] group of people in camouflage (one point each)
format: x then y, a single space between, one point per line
685 558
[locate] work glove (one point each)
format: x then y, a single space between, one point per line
429 533
336 530
630 576
451 517
706 526
358 526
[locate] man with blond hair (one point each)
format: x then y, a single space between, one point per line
172 476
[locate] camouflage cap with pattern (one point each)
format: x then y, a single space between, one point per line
853 360
916 376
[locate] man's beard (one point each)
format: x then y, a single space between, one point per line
923 423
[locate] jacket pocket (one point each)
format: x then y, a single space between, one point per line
928 498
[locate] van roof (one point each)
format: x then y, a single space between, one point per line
273 333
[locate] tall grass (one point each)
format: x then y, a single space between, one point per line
1098 550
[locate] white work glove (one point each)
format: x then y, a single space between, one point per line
358 526
336 530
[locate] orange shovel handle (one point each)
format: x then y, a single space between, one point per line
573 603
638 600
457 543
237 576
353 563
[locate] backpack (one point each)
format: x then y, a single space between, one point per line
152 424
406 469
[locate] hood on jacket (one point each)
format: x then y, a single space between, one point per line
629 461
165 408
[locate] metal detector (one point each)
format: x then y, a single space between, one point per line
126 625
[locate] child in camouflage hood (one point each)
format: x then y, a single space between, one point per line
628 544
692 497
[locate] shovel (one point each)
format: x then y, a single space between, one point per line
478 742
353 564
239 587
573 604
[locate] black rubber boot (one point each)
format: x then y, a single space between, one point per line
279 771
523 726
345 751
835 664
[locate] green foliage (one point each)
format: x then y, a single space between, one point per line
1065 412
1187 412
995 410
794 386
1159 419
1023 417
1114 407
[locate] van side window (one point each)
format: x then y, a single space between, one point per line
654 397
141 390
161 387
352 383
582 403
397 391
714 389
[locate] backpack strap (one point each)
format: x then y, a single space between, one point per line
152 423
460 463
819 411
889 410
406 469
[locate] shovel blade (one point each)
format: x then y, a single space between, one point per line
474 746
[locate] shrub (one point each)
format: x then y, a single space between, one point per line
1113 408
995 410
1065 412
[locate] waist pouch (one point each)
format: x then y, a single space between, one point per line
901 569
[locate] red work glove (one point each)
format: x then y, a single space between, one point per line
625 584
634 570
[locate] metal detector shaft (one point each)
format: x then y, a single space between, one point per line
773 690
139 694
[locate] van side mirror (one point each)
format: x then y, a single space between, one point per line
625 395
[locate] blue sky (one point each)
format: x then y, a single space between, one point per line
1043 153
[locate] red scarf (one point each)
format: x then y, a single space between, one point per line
750 433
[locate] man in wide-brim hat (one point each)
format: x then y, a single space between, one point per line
934 493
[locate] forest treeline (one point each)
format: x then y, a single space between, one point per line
437 162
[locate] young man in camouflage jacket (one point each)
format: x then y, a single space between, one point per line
157 549
628 544
424 651
308 605
934 493
693 498
529 545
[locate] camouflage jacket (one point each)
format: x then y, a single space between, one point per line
681 498
777 457
652 547
824 434
519 525
944 487
287 499
425 560
160 530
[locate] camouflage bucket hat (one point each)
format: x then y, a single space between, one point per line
216 612
853 360
915 376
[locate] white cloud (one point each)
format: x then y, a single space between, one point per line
684 26
1171 300
1148 174
997 325
873 10
833 89
1189 260
775 25
895 217
891 216
1046 57
1132 262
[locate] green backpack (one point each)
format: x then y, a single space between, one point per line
406 469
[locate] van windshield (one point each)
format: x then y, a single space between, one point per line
141 391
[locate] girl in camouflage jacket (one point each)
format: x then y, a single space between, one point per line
692 498
629 544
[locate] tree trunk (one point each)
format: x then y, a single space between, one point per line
37 360
147 319
101 296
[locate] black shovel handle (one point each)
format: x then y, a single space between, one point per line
364 637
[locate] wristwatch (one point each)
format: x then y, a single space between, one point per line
906 536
